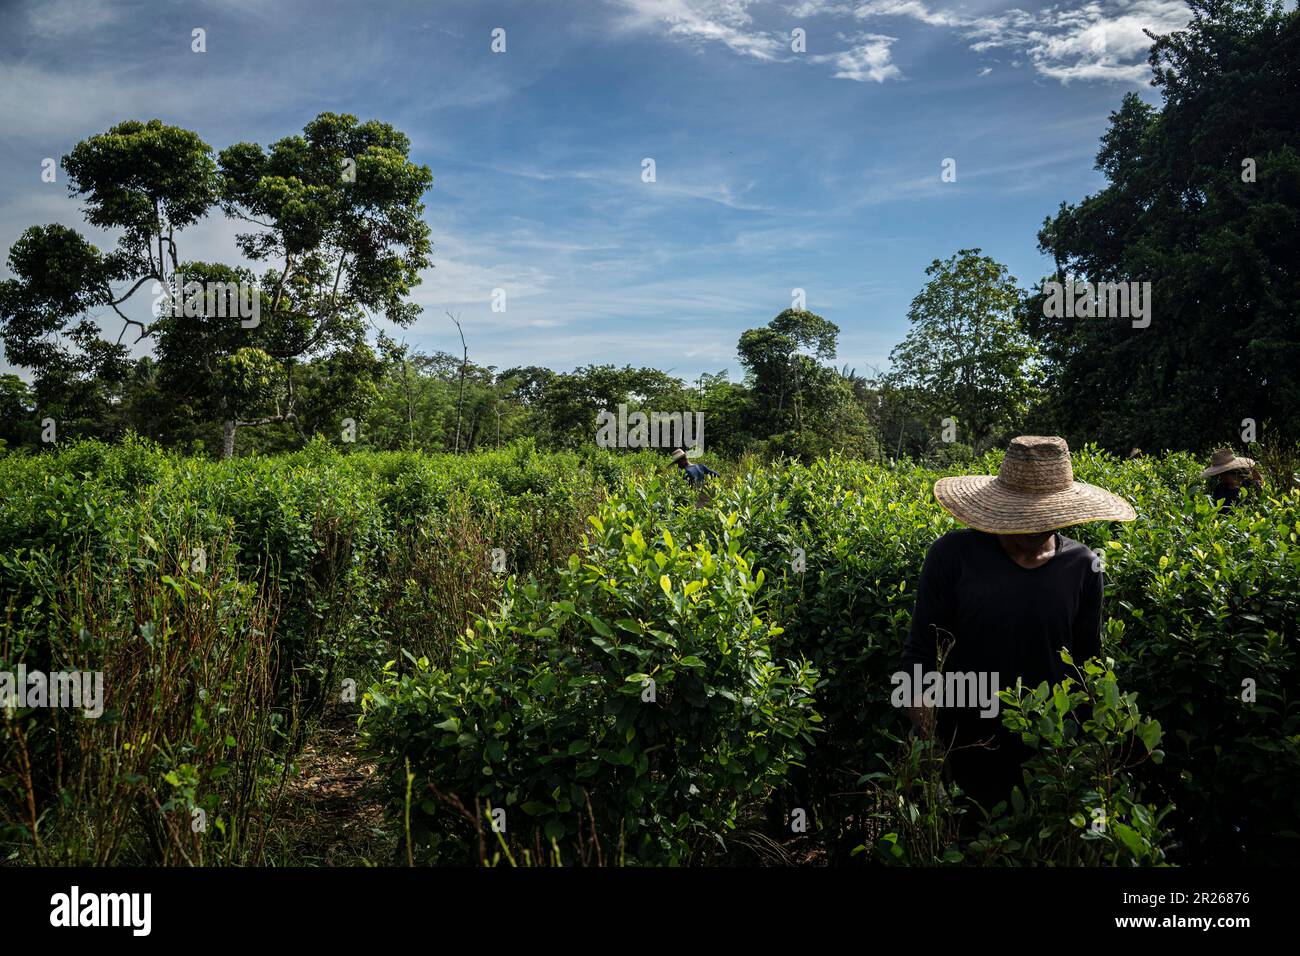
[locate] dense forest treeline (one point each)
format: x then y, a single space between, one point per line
1201 207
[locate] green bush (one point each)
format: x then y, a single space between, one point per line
180 767
1204 623
629 716
325 544
1080 803
859 533
1199 600
360 557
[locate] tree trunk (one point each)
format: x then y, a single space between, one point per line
228 441
473 427
460 397
410 410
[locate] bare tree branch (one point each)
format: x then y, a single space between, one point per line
460 398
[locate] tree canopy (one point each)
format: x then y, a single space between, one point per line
336 214
1203 201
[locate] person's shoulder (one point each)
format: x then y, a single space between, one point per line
957 541
1072 551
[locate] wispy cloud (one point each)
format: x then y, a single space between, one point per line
56 19
1095 40
868 60
731 23
711 21
1098 40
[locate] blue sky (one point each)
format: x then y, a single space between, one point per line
775 169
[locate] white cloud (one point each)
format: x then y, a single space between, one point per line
721 21
915 9
671 183
731 23
1100 40
869 60
821 8
1103 41
57 19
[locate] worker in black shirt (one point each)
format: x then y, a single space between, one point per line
999 599
1228 474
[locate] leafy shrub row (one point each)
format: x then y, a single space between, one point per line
632 712
671 682
1202 624
336 560
1201 606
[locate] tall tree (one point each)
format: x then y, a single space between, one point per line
797 403
783 363
1201 200
965 354
337 210
16 422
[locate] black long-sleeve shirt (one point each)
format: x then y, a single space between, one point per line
1229 497
994 616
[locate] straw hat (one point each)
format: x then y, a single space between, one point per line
1225 460
1034 491
678 455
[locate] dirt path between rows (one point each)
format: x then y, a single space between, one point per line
332 812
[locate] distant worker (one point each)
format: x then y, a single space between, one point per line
695 474
1228 474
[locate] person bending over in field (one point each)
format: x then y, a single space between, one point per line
997 601
1228 475
697 475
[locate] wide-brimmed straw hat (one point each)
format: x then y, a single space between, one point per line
1034 491
1224 459
678 455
